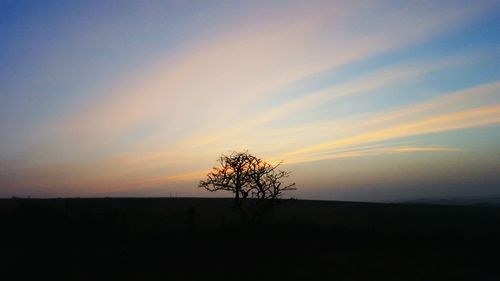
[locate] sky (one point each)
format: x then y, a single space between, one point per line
361 100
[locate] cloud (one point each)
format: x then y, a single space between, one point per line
425 118
260 135
363 151
219 80
424 149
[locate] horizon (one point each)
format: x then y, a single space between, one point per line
373 101
493 202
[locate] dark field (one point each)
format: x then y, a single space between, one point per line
202 239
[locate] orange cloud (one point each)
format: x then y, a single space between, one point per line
484 116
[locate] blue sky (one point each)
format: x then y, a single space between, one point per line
366 100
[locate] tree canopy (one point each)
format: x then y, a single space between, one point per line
248 177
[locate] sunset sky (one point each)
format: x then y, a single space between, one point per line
362 100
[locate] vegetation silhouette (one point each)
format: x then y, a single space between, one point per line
256 184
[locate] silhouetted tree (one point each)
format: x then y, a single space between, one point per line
251 180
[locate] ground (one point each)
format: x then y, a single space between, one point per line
202 239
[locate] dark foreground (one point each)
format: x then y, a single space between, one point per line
201 239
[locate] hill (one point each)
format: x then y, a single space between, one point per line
202 239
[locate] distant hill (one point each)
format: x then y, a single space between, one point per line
493 202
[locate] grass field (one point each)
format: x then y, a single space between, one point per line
202 239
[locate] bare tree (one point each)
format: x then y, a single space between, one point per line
256 184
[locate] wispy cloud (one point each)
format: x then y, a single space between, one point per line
218 79
425 118
361 151
310 102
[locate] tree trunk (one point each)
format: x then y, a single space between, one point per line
240 209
